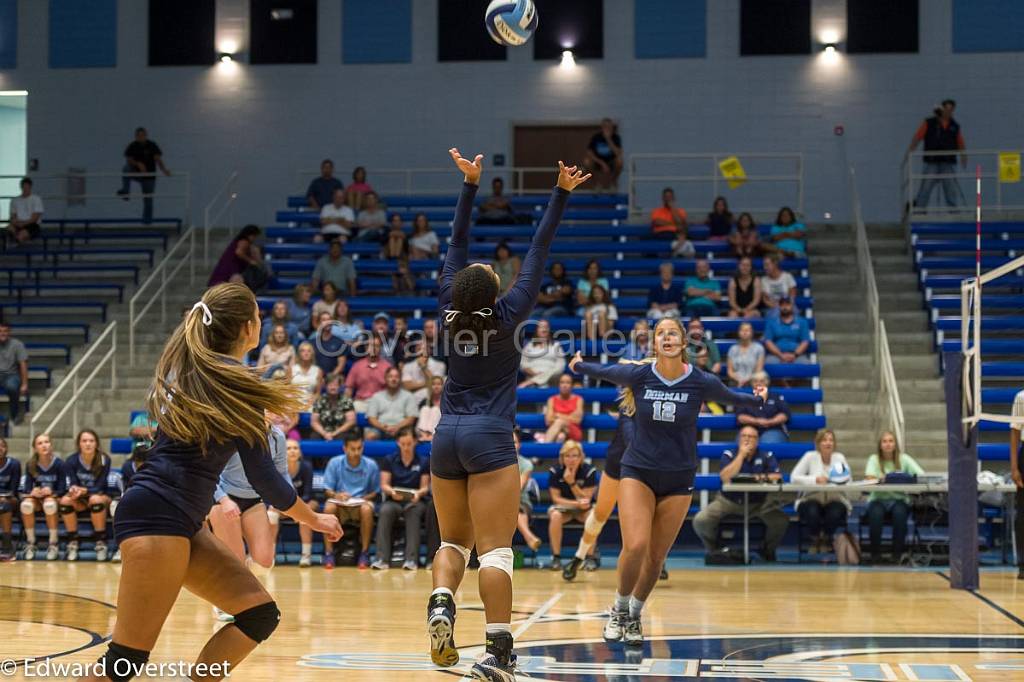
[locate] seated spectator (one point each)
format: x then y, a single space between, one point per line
352 483
328 300
824 512
396 245
746 239
368 375
87 471
337 219
321 189
356 192
400 342
745 357
591 276
665 297
26 214
700 350
604 155
668 221
600 314
402 282
639 346
506 266
424 243
299 309
279 316
306 373
555 298
419 371
333 414
237 255
702 292
525 500
328 348
142 430
372 220
563 413
346 328
776 284
13 372
277 350
10 480
430 337
719 221
391 409
301 473
43 483
336 269
789 235
430 411
381 329
405 487
572 485
747 460
771 419
787 338
744 291
889 506
543 358
496 209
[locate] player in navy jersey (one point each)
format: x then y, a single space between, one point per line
473 460
87 471
300 471
658 468
209 406
42 485
10 479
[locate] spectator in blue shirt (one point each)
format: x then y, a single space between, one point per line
787 338
279 315
328 348
351 483
405 485
702 292
664 298
771 419
789 234
747 461
321 189
299 308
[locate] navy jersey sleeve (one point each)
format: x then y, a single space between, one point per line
623 374
522 296
261 472
590 480
61 485
458 249
13 481
306 472
715 390
99 484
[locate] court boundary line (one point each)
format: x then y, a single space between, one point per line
1009 614
537 615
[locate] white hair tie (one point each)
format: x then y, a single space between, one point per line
207 315
450 315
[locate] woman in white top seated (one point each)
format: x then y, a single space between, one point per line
543 359
822 512
278 350
430 411
306 373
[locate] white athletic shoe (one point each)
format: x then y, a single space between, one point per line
53 553
117 556
615 627
633 635
30 552
72 551
101 551
305 561
488 668
410 565
380 565
223 616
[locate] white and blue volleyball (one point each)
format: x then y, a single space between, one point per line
511 22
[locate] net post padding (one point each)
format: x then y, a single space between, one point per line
963 481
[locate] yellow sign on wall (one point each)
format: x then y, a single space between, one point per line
733 171
1009 167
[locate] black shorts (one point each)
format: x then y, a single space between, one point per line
246 503
662 483
143 512
471 444
621 440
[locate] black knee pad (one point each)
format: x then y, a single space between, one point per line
122 662
259 622
97 508
66 509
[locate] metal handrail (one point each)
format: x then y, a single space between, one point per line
889 410
78 387
208 221
165 274
911 179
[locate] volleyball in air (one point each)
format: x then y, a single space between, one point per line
511 22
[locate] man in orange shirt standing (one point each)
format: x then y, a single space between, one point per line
941 133
668 221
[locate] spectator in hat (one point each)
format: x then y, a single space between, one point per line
788 337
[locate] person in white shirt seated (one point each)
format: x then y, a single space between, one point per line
543 358
823 512
430 411
306 373
336 219
420 370
26 214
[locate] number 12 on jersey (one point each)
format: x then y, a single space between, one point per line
664 411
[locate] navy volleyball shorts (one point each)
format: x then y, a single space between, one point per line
142 512
471 444
621 440
662 483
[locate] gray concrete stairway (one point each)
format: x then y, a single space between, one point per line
842 332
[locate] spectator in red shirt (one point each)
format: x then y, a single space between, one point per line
368 375
940 133
668 221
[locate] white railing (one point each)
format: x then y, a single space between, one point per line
223 200
772 180
889 408
185 248
1001 199
77 384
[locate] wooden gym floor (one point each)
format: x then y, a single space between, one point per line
746 624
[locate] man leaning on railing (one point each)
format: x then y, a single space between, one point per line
940 133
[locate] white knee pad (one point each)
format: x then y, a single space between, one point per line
28 507
501 558
593 526
113 507
50 506
458 548
273 516
257 569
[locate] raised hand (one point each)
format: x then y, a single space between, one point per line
471 169
570 177
576 359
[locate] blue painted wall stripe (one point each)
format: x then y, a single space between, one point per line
988 26
666 29
376 32
83 33
8 34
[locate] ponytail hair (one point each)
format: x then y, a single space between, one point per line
627 401
200 394
471 318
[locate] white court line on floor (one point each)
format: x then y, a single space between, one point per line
537 615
